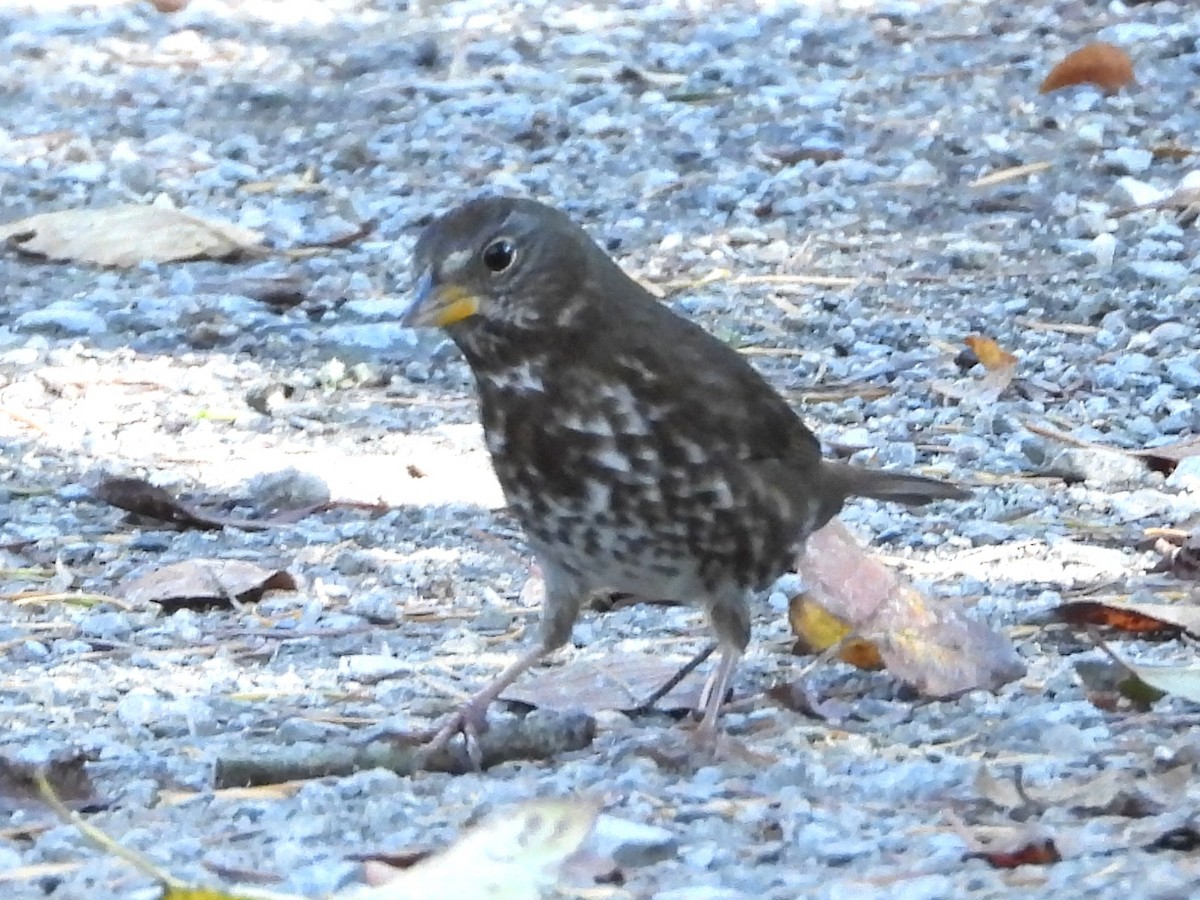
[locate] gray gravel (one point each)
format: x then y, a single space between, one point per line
697 141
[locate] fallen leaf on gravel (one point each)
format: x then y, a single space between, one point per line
513 854
1037 853
126 236
1124 792
1163 458
140 497
1106 66
206 582
1000 366
817 630
1134 618
990 354
1179 681
937 649
620 681
19 790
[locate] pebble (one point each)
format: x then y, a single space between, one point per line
1158 271
630 844
1129 191
972 254
61 318
1128 160
1186 476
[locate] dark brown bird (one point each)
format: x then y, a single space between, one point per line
639 453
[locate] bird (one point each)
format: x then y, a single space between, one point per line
638 452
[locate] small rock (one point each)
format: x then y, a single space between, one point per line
1131 192
1128 160
1184 374
1090 134
1160 271
62 318
972 254
359 342
920 171
369 668
105 625
1096 467
1186 476
1103 248
288 488
629 843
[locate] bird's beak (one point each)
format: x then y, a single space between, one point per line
438 305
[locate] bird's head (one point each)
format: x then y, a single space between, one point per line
499 265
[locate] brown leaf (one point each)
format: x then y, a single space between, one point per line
140 497
1134 618
620 681
1103 65
126 236
66 774
1037 853
937 649
206 582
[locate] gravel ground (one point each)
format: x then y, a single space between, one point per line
704 143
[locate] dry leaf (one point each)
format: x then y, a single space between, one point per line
1163 458
816 630
1179 681
937 649
206 582
1100 64
1036 853
513 854
1134 618
1001 368
991 355
129 235
619 681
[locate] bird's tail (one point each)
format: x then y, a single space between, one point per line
894 487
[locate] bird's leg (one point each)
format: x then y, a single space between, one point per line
715 689
731 621
560 609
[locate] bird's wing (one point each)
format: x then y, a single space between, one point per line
702 385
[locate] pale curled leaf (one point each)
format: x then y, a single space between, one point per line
205 582
938 649
513 854
1179 681
128 235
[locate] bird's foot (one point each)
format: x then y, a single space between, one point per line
469 720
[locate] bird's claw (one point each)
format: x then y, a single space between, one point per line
470 723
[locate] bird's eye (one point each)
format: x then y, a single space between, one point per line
499 255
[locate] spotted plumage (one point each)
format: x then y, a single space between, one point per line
639 453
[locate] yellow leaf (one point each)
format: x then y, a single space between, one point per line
991 355
818 630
